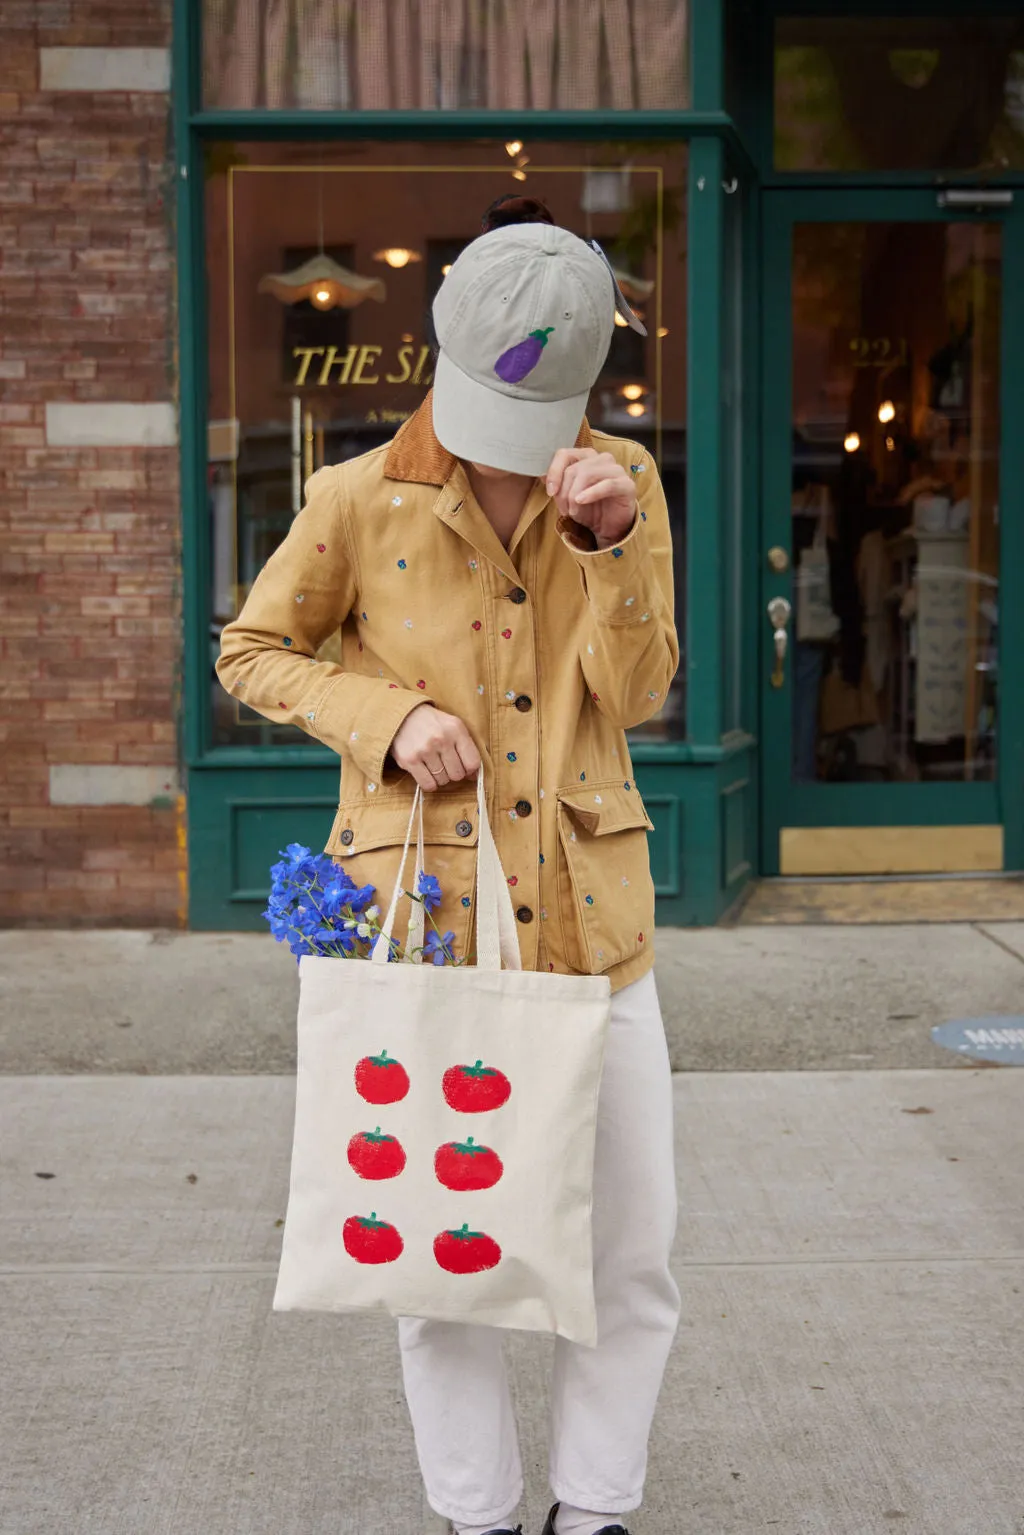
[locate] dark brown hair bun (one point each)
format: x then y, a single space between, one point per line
512 209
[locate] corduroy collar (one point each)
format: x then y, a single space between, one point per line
416 455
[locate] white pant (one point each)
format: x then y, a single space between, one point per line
603 1397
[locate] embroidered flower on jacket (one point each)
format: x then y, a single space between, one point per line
617 554
286 639
396 500
476 624
401 565
511 756
300 596
506 634
320 548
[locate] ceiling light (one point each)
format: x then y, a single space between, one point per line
518 175
632 391
886 411
890 445
324 283
407 337
851 442
620 319
446 269
513 148
397 256
662 332
636 409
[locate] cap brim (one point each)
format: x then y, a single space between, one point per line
485 426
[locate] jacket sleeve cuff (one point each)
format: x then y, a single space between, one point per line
619 580
359 717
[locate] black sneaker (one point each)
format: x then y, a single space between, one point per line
503 1531
609 1529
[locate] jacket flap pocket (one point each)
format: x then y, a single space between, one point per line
362 825
600 808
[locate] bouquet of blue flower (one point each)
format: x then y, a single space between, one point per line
316 908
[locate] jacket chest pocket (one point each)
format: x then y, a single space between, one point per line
367 840
606 897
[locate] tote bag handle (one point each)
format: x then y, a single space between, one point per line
497 939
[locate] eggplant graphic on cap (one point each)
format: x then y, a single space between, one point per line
513 366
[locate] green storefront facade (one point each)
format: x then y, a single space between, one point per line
825 226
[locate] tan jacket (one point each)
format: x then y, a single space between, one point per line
548 651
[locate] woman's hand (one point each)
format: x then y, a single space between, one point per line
436 748
594 490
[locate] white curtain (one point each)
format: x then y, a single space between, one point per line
389 55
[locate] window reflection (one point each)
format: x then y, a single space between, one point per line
433 54
895 497
322 265
870 93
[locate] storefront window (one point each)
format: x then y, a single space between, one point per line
349 55
857 93
322 263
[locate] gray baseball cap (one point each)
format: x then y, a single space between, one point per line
524 320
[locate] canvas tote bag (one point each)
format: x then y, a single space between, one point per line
815 617
445 1120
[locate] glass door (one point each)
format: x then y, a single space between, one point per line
885 706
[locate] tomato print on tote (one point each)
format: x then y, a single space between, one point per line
466 1252
465 1166
379 1079
475 1089
369 1240
374 1155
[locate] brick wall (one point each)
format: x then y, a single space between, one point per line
89 513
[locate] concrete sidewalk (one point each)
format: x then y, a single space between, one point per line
851 1257
755 998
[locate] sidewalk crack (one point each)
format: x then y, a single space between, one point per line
1013 953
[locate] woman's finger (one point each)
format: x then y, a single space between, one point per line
423 776
562 460
609 487
468 754
452 764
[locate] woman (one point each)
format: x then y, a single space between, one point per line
502 578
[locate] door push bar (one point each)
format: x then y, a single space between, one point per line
975 197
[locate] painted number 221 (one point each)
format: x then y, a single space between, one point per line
878 351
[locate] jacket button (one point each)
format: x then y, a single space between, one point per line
517 595
348 837
524 914
524 703
464 829
523 807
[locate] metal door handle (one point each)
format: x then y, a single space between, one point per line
780 611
